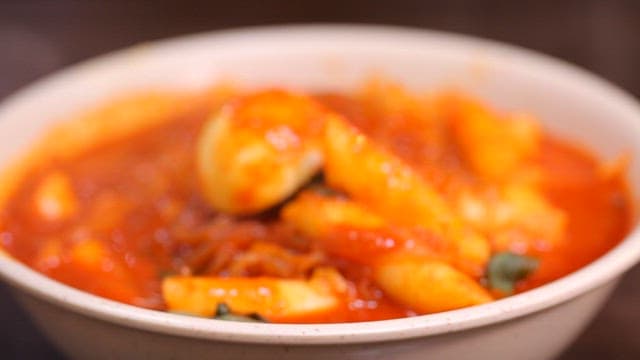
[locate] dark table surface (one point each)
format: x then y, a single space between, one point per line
38 37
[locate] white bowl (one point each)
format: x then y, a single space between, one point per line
537 324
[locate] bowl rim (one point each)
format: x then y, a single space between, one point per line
601 271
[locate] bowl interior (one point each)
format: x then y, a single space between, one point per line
569 102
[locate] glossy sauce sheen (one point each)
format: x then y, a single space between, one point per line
138 196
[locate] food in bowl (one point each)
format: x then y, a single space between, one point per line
284 206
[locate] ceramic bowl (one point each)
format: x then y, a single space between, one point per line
537 324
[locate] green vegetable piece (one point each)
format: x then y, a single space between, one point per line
506 269
223 309
319 185
223 312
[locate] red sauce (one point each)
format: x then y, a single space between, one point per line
138 197
599 210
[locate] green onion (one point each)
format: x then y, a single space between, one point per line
505 269
223 312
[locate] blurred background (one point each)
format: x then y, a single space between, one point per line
38 37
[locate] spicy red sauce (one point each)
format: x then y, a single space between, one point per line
138 197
